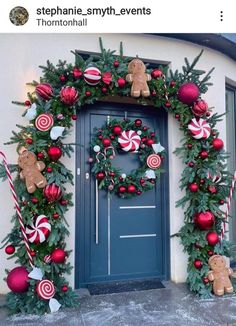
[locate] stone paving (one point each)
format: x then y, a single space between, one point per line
173 306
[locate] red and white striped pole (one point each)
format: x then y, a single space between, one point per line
18 210
228 204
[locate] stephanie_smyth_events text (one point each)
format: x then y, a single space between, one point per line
75 11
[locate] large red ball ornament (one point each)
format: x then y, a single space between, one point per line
122 190
106 142
212 238
188 93
10 249
193 187
217 144
204 220
69 95
117 130
44 90
131 189
100 175
121 82
17 279
92 76
197 263
58 256
54 153
52 192
199 108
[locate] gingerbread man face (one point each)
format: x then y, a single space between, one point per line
136 66
26 159
217 263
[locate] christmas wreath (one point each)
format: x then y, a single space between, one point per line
51 109
126 136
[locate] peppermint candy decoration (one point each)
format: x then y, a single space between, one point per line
129 141
47 259
39 231
199 128
45 289
153 161
92 76
44 122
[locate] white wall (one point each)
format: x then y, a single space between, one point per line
20 57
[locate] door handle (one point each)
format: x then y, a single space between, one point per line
87 176
96 214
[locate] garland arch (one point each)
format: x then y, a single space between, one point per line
51 108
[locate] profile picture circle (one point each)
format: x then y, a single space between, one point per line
19 16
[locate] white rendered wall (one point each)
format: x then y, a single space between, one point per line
20 57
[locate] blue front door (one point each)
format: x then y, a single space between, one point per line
128 238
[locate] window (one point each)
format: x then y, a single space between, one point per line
230 101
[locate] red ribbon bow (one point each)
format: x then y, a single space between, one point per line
106 78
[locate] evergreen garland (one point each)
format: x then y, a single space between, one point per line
164 88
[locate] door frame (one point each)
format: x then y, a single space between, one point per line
81 195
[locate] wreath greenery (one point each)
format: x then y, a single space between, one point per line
105 146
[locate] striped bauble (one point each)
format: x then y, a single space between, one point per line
92 76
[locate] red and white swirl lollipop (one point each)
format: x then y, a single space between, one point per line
129 140
45 289
153 161
38 231
44 122
199 128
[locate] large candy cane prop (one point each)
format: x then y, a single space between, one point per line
228 204
18 210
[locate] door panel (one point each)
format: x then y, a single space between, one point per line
132 233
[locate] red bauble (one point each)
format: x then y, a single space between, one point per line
177 116
63 202
29 141
168 104
17 279
52 192
157 73
153 93
58 256
191 164
112 174
131 189
100 137
117 130
221 202
204 220
189 146
139 192
27 103
200 108
205 280
145 128
34 200
33 253
121 82
106 142
10 249
217 144
122 189
44 90
202 181
116 63
172 83
64 288
204 154
74 117
77 73
197 263
87 93
210 253
193 187
55 216
142 181
62 78
212 238
104 90
54 153
100 175
197 246
188 93
49 169
149 142
69 95
40 156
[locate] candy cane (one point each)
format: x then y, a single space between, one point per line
18 210
111 148
97 156
228 204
